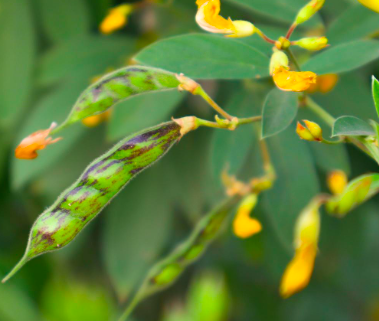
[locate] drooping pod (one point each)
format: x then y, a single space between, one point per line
102 180
167 271
118 86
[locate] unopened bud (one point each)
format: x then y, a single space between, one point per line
308 11
278 59
313 43
312 132
337 181
282 43
242 29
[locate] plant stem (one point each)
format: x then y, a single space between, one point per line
264 37
291 30
200 91
321 112
227 124
293 59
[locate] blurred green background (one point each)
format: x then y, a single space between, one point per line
50 50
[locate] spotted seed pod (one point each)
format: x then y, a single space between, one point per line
167 271
118 86
101 181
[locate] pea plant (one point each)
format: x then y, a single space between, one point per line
286 73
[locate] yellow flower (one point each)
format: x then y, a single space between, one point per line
337 181
292 80
299 271
28 147
324 84
93 121
371 4
116 18
243 225
208 18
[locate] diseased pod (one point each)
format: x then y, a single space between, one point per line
99 183
119 86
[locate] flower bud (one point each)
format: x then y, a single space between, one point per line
337 181
312 132
313 43
242 29
278 59
308 11
282 43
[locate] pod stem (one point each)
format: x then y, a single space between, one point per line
18 266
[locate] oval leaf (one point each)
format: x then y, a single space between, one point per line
206 57
351 126
279 110
345 57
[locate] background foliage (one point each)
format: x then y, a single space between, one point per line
50 51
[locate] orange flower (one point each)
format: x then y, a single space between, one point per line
292 80
28 147
208 18
324 84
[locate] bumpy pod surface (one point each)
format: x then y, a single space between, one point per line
99 183
118 86
169 269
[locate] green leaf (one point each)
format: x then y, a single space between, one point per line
279 110
87 56
142 111
17 54
351 126
344 57
230 149
354 23
375 93
206 57
296 183
135 232
280 10
63 20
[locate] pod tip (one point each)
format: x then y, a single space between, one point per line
19 265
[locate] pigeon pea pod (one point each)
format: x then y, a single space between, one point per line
167 271
117 87
101 181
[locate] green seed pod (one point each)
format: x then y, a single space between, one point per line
102 180
358 191
167 271
118 86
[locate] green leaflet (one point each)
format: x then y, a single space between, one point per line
167 271
116 87
358 191
100 182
